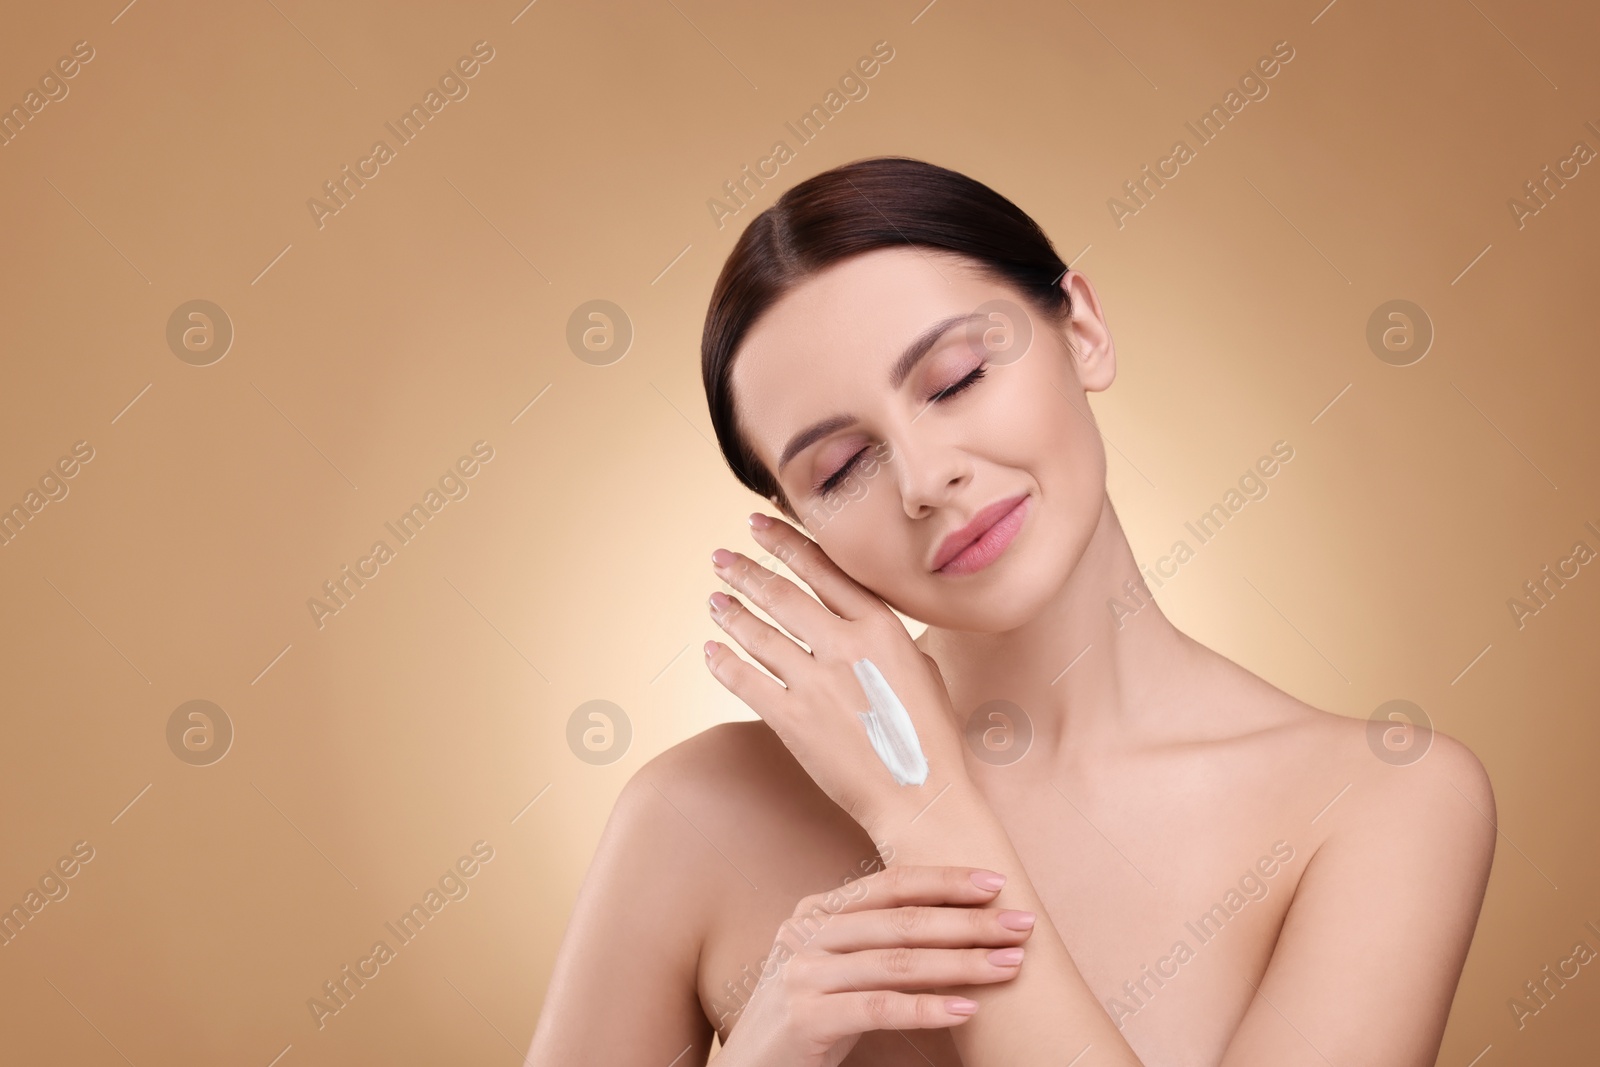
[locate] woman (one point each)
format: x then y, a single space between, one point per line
1106 843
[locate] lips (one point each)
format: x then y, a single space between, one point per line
955 542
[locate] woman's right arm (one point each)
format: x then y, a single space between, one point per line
866 956
623 987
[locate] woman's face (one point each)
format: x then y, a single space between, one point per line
884 455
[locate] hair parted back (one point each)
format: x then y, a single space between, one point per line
879 202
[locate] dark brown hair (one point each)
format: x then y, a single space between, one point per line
881 202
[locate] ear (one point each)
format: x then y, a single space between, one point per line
1087 334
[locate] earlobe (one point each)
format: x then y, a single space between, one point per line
1097 366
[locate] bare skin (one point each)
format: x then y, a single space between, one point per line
1163 784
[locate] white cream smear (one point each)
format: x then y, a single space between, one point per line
889 727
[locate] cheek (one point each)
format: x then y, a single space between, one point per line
866 539
1050 435
1042 424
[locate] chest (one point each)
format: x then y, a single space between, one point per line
1168 896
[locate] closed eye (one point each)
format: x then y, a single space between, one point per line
966 383
834 480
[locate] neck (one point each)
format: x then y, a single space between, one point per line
1098 661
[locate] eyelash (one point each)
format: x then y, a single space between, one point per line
833 480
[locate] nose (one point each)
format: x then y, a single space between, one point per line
930 472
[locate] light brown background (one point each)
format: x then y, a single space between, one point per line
426 315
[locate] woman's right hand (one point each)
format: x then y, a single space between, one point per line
841 965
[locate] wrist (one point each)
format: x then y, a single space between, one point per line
936 823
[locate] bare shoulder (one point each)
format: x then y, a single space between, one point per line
1394 780
1400 766
1392 774
733 765
1419 788
728 755
736 798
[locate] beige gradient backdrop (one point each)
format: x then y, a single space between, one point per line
371 353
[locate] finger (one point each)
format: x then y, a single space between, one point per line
909 968
858 1011
920 926
760 694
767 645
789 605
839 592
895 887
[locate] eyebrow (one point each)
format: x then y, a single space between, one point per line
898 373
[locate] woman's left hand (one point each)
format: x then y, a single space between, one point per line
814 712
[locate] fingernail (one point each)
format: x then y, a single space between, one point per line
759 521
720 602
1016 920
960 1006
722 557
711 647
988 879
1006 957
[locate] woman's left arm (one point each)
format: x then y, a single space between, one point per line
1366 963
1374 942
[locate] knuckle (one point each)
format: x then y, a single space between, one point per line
899 961
775 596
808 910
800 971
762 582
906 921
807 552
804 925
926 1010
877 1004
